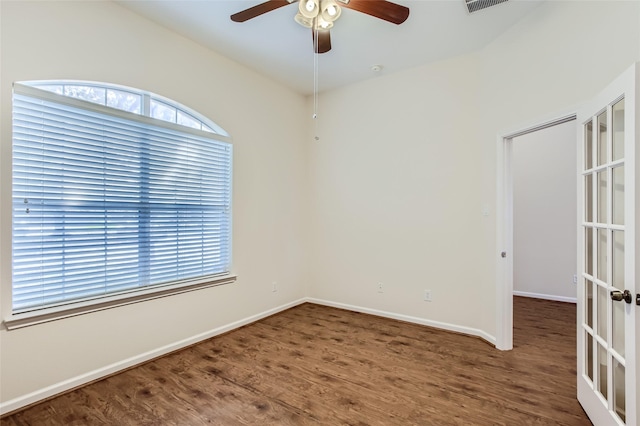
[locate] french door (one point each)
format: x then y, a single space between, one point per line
608 320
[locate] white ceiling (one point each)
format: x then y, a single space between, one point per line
276 46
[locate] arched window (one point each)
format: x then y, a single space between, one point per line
130 100
116 192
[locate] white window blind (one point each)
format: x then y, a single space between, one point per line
107 201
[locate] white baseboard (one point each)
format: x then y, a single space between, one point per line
546 297
66 385
416 320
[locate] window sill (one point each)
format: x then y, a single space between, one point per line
26 319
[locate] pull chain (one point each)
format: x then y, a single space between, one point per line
315 77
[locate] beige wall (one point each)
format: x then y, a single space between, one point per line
395 197
104 42
408 161
544 213
393 192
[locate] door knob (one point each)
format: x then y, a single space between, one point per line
619 295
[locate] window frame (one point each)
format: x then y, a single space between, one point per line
67 309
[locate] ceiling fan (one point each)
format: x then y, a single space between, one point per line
319 15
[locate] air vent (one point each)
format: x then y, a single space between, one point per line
476 5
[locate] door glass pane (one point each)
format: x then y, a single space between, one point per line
588 246
618 260
588 198
602 138
602 254
618 130
588 294
602 370
618 390
602 196
589 357
588 145
618 196
603 299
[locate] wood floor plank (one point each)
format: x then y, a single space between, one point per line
504 389
315 365
453 375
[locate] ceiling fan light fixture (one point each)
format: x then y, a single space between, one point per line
324 25
330 10
309 8
304 21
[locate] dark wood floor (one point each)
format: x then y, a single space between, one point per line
323 366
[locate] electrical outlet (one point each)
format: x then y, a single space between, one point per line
427 295
274 286
380 288
575 279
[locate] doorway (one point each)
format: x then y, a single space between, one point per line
544 213
504 219
607 319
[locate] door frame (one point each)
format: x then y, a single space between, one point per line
504 219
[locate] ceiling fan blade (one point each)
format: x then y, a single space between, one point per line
382 9
324 41
258 10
